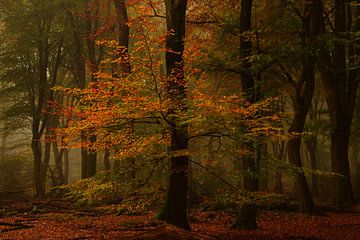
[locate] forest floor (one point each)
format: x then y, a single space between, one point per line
57 219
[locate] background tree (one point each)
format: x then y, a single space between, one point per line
339 74
37 53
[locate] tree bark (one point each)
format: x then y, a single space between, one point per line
176 200
124 65
341 82
311 145
246 218
91 26
79 73
66 166
38 166
39 119
58 157
123 26
304 91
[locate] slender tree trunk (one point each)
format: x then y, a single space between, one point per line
91 26
123 26
246 218
311 145
175 211
79 73
66 166
124 65
304 91
39 123
342 83
306 202
340 136
339 117
47 155
38 166
58 157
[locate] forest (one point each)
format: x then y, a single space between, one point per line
180 119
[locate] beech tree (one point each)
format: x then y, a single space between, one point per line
38 54
302 98
339 69
176 203
246 218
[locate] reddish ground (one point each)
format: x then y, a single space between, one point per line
70 224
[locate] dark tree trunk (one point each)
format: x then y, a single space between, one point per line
304 91
339 117
91 160
58 157
58 153
306 202
123 26
340 137
175 211
39 121
91 27
124 65
302 189
79 73
41 93
311 145
246 218
37 127
66 166
342 83
38 166
47 154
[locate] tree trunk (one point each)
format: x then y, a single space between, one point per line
123 26
66 166
304 91
91 27
88 163
342 83
340 119
340 137
246 218
124 65
58 157
176 200
311 145
79 73
306 202
91 160
38 121
38 166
